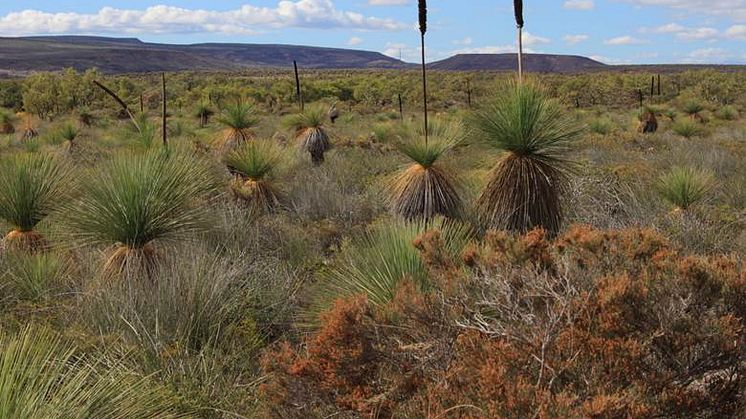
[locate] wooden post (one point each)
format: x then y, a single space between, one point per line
652 86
639 92
164 131
142 105
401 108
659 84
468 92
297 85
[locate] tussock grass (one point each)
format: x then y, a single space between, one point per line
41 377
684 187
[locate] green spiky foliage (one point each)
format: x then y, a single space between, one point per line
525 187
310 133
32 186
687 128
140 204
6 123
41 377
239 120
33 277
684 187
377 264
68 133
601 126
694 110
203 112
252 163
85 117
726 113
425 189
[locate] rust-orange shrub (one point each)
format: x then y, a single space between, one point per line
590 324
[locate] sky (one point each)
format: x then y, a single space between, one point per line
611 31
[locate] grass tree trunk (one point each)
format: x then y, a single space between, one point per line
164 130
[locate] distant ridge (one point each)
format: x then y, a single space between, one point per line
130 55
20 56
537 63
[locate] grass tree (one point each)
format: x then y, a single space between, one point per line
68 133
684 187
41 376
203 113
425 189
31 187
139 205
252 164
308 126
525 187
239 121
694 110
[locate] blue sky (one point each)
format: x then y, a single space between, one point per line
613 31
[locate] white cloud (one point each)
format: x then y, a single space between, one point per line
465 41
684 33
574 39
162 19
625 40
736 32
387 2
355 41
708 56
579 4
668 28
530 39
735 9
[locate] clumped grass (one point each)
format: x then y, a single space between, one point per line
693 108
726 113
32 186
425 189
525 187
379 262
41 377
601 126
310 133
138 202
252 163
34 277
684 187
6 123
239 121
687 128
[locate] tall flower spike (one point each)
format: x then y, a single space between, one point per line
518 7
423 16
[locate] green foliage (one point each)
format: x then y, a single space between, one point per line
523 121
31 187
377 264
40 377
684 187
311 117
427 154
254 160
34 277
140 198
601 126
239 116
687 128
693 107
727 113
68 132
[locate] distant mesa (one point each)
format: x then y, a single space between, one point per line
538 63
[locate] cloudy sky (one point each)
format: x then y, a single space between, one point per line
613 31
